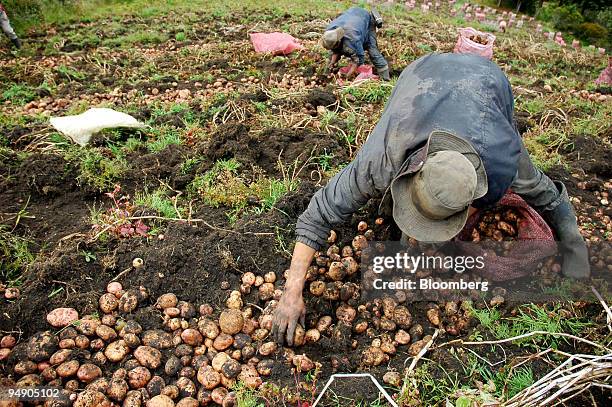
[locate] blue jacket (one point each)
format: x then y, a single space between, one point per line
356 22
466 95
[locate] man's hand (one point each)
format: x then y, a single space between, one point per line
291 307
352 71
331 63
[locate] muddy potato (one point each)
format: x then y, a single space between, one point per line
241 340
302 363
416 332
359 243
433 315
270 277
198 361
30 380
138 377
148 356
230 400
258 281
312 336
317 288
223 341
133 399
346 313
231 321
114 287
116 351
218 395
188 402
168 300
250 325
4 353
172 312
49 374
132 340
249 376
61 317
66 344
160 401
248 278
157 338
101 384
416 347
260 334
187 310
128 301
387 324
25 367
60 356
208 328
336 271
206 310
247 352
108 303
402 337
72 385
218 361
451 308
350 265
361 326
332 291
392 379
155 386
106 333
204 397
171 391
68 369
41 346
117 389
7 341
372 356
208 377
88 372
266 291
81 342
267 348
231 368
91 398
402 317
264 367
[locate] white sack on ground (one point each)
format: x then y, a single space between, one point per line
81 127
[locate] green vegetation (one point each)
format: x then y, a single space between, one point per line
15 256
159 202
95 169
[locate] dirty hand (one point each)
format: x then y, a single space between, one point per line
352 71
290 309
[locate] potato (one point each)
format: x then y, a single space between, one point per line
155 386
372 356
157 338
118 389
312 335
302 363
231 368
359 243
61 317
204 397
29 380
402 337
131 340
333 236
148 356
249 326
106 333
192 337
66 344
208 377
67 369
392 379
247 352
223 341
299 336
248 278
114 287
360 327
336 271
101 384
187 388
133 399
108 303
433 315
188 402
171 391
387 345
81 342
60 356
249 376
168 300
219 394
187 309
12 293
270 277
317 288
267 348
131 364
402 317
116 351
264 367
266 291
416 332
25 367
231 321
128 301
218 361
208 328
172 312
138 377
7 341
88 372
172 366
387 324
4 353
91 398
206 310
72 385
346 313
41 346
49 374
160 401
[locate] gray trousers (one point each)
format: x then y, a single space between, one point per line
6 26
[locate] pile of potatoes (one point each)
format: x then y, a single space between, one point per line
497 224
194 358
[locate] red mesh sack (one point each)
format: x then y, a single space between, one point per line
363 72
535 242
276 43
466 46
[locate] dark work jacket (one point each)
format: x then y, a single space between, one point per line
357 24
466 95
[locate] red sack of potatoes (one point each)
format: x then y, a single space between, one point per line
533 243
466 44
275 43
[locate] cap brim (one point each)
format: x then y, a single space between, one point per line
416 225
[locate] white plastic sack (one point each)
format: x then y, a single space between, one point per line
81 127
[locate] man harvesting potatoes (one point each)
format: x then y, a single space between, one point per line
445 143
351 35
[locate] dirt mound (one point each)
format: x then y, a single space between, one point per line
320 97
593 155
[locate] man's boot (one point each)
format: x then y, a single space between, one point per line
384 73
16 43
571 243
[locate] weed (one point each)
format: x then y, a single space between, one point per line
181 36
70 73
19 94
89 256
371 91
15 255
246 397
118 219
96 170
159 202
165 138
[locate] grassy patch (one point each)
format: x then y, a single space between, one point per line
15 256
159 202
19 94
96 169
164 138
371 91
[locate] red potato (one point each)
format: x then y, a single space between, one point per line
88 372
4 353
108 303
91 398
7 341
60 356
81 342
114 288
148 356
67 369
223 341
138 377
192 337
61 317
